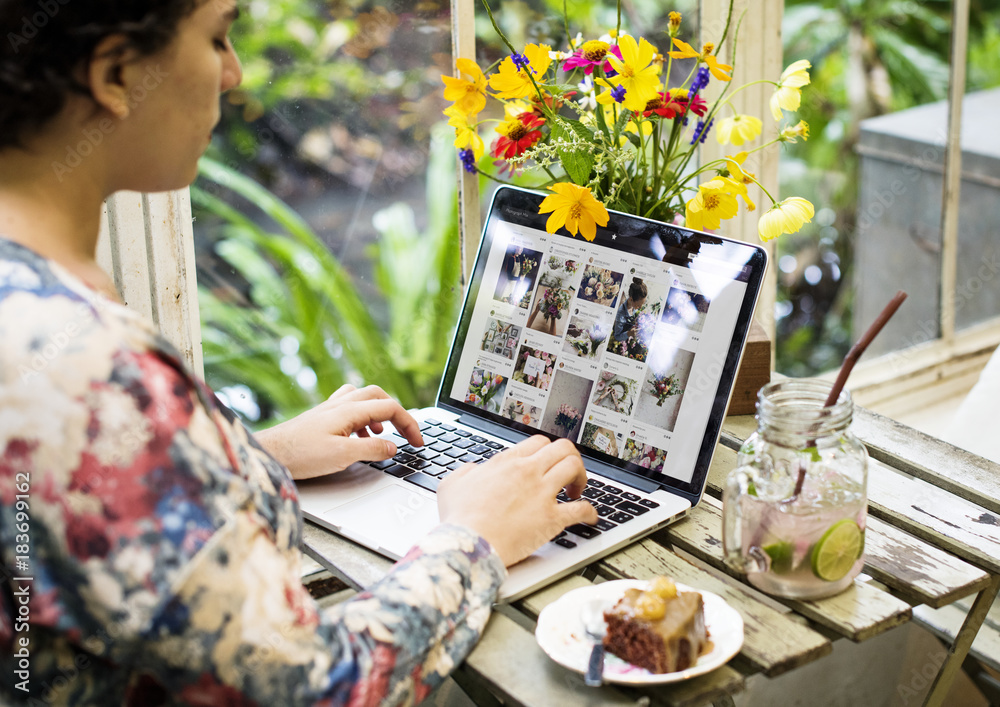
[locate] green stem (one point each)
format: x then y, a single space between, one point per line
528 73
569 39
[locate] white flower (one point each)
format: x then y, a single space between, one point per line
588 97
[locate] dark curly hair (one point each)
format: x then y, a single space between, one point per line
43 43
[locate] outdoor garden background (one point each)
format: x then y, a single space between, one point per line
325 213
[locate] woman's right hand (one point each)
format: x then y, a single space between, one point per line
510 500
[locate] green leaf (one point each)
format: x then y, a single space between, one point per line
578 162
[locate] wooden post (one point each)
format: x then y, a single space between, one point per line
147 246
758 56
470 223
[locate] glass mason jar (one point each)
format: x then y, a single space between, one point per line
794 509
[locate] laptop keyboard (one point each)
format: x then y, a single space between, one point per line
448 447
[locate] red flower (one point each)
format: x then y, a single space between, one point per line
517 135
666 105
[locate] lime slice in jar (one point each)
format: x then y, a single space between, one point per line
781 556
837 551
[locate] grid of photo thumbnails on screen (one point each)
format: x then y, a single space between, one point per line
610 349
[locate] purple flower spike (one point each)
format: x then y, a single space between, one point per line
700 80
520 61
701 131
618 93
468 158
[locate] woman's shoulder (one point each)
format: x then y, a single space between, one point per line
48 319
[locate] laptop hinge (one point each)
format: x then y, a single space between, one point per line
605 470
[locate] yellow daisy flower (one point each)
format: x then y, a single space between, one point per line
637 73
466 135
786 216
719 70
787 95
791 133
741 176
711 205
468 95
512 82
738 129
575 208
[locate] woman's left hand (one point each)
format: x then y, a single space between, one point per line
319 441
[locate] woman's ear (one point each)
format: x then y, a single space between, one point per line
106 75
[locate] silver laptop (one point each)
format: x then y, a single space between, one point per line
628 345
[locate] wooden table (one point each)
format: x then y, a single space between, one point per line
933 538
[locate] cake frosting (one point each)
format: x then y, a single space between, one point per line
659 628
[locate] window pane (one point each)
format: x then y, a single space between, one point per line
869 164
977 295
323 256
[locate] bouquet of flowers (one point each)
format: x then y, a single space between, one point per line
483 386
601 121
527 266
636 344
646 456
567 417
665 387
554 302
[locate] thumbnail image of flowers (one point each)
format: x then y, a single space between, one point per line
685 309
518 273
520 411
486 390
567 418
644 455
534 367
600 286
615 392
665 387
597 117
601 438
585 336
662 390
558 271
633 331
568 395
547 313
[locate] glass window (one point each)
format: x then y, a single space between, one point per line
878 117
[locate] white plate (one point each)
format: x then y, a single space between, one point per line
561 635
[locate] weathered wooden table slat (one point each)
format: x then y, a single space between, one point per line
951 468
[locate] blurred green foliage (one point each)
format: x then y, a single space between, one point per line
869 57
303 328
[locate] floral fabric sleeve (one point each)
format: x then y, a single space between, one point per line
164 542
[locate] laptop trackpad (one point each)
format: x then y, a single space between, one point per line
391 519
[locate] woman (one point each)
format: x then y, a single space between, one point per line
149 543
627 317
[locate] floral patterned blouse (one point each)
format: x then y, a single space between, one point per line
149 548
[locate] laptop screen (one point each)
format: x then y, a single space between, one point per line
627 345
